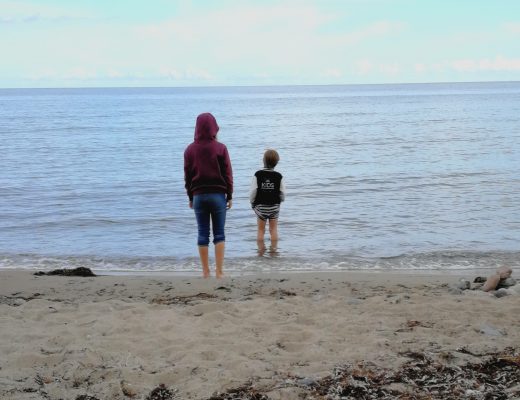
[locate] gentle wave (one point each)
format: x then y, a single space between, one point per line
431 261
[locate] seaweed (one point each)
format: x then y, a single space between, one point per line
493 377
80 271
161 392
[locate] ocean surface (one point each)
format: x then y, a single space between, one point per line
379 177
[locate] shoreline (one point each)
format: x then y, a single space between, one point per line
467 273
111 335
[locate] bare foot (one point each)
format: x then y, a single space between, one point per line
219 274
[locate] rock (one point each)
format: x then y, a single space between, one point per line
307 382
128 389
491 283
455 291
480 279
463 284
514 289
504 272
502 293
490 330
18 302
507 282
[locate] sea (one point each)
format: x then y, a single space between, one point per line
405 177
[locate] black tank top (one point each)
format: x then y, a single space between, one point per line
268 187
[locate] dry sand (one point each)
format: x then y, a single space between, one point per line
118 337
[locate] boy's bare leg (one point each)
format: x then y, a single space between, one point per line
273 231
219 259
204 260
261 247
261 230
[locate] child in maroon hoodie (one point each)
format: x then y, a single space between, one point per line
209 184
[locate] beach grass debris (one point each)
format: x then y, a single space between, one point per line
282 293
185 300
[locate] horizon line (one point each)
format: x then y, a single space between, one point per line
246 86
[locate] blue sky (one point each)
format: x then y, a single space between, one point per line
58 43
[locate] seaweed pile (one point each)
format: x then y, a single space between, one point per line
246 392
497 377
80 271
161 392
423 378
493 376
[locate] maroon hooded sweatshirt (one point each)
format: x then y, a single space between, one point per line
207 167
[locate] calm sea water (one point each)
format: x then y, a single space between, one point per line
378 176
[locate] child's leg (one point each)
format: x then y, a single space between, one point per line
219 258
204 260
273 230
261 230
261 247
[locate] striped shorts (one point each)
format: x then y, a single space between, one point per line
265 211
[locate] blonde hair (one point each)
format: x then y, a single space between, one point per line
271 158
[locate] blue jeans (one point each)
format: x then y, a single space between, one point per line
206 206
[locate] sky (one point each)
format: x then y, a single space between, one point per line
100 43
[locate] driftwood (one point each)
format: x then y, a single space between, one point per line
498 279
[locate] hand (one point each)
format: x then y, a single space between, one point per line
229 204
191 204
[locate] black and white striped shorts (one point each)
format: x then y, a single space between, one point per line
265 212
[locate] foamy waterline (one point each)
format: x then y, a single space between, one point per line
448 261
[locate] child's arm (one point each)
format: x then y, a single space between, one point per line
252 191
282 190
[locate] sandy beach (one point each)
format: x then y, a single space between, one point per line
276 335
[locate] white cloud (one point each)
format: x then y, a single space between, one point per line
363 67
512 27
420 67
373 30
334 73
497 64
259 35
26 12
77 73
391 68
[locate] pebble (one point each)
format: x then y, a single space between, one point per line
507 282
455 291
463 284
490 330
306 382
502 293
128 389
19 302
353 301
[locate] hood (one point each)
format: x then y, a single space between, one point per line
206 127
